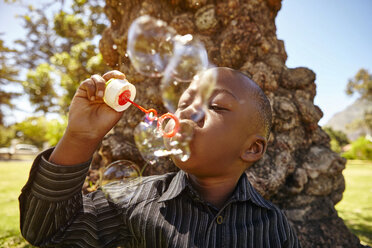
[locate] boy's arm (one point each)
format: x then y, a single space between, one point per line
51 203
53 210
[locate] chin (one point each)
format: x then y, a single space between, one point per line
180 164
191 166
187 166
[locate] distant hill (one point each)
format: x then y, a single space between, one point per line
353 112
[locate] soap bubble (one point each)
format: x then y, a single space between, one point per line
189 58
120 170
171 91
179 145
118 178
150 45
148 140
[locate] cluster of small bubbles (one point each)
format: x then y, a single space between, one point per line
118 178
156 50
152 144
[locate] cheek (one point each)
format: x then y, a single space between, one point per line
212 145
214 137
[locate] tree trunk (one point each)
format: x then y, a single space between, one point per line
299 172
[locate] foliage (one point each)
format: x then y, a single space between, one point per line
6 135
365 123
59 50
361 84
32 131
55 130
39 130
73 67
338 139
8 74
360 149
39 87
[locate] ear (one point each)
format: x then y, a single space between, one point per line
254 149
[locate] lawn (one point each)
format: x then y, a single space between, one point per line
13 175
355 207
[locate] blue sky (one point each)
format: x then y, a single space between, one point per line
331 37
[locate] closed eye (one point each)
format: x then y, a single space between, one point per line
217 108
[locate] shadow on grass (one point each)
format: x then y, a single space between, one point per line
360 225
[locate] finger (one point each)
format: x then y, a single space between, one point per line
100 85
89 87
113 74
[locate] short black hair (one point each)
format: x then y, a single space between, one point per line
263 105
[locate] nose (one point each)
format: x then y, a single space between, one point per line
192 112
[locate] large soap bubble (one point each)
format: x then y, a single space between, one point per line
189 58
150 45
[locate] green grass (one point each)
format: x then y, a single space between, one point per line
13 175
355 207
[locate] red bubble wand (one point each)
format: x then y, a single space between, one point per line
152 114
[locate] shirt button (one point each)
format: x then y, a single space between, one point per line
219 219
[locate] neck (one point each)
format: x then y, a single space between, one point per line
214 190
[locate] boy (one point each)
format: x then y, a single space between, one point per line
208 203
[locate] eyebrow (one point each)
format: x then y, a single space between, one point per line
223 90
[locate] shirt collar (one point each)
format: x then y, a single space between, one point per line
176 186
244 190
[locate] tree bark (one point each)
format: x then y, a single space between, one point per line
299 172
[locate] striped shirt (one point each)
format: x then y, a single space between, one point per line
155 211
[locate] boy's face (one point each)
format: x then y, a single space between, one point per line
221 135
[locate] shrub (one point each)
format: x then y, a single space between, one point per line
360 149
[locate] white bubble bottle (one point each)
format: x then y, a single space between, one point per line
117 93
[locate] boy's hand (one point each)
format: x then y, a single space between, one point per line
90 118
